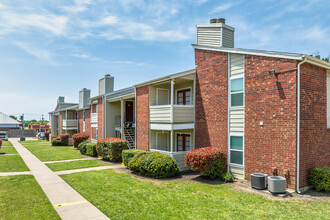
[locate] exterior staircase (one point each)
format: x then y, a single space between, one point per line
129 136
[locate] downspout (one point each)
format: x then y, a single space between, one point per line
135 121
298 124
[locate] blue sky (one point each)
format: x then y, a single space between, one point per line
57 47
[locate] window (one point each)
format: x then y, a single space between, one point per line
184 97
96 108
84 115
162 97
183 142
236 93
236 150
162 141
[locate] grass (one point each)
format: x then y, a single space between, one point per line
6 143
75 165
22 198
45 152
8 150
121 196
12 163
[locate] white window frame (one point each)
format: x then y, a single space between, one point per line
168 95
232 93
191 95
168 140
230 150
192 145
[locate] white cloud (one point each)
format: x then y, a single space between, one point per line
110 20
51 23
41 54
79 6
127 62
221 8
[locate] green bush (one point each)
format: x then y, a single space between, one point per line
82 147
91 149
65 139
227 177
319 178
127 155
154 164
111 150
56 142
134 164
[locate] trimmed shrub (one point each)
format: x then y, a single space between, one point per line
134 164
78 138
154 164
65 139
227 177
56 142
209 161
127 155
91 149
319 178
47 136
82 147
0 143
111 148
53 136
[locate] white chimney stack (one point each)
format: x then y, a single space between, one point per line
84 96
215 34
106 84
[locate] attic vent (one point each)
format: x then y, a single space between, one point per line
215 34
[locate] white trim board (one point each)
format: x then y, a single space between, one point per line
170 127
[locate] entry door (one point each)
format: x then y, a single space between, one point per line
183 142
129 111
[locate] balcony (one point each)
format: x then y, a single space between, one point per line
172 114
94 118
70 124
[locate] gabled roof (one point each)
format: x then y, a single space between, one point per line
5 119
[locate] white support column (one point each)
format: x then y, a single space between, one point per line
172 144
172 99
122 116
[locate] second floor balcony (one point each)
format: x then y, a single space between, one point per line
70 124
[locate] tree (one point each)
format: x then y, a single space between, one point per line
13 117
327 59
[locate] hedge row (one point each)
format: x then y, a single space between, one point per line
47 136
63 140
319 178
152 164
78 138
111 148
88 148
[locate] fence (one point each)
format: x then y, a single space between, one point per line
21 133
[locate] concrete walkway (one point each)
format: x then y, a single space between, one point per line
87 169
60 161
15 173
68 203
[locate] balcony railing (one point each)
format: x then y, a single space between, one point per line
164 114
94 118
70 124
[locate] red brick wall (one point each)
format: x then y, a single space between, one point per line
100 118
211 99
88 122
314 135
272 100
80 121
60 124
142 118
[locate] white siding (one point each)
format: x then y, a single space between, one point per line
113 109
183 114
227 38
160 114
237 172
236 65
209 36
236 121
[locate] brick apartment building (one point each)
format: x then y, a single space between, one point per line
266 110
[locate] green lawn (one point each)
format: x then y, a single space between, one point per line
75 165
12 163
7 143
8 150
120 196
22 198
45 152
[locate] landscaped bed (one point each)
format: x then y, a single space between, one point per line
22 198
45 152
75 165
120 196
12 163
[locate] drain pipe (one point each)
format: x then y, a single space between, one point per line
298 123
